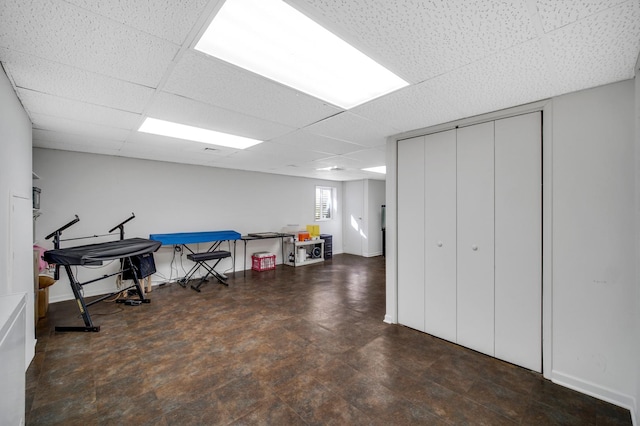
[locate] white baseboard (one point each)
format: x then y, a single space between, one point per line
596 391
388 319
30 353
374 254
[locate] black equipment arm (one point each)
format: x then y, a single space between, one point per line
62 228
121 226
56 242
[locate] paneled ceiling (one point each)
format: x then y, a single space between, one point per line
88 73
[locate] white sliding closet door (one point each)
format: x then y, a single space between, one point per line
440 234
518 241
475 239
411 233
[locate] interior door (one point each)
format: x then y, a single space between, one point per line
475 237
354 212
440 234
518 240
411 197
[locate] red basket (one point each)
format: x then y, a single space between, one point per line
263 263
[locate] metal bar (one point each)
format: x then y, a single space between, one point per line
83 238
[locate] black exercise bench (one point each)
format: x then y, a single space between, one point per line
201 260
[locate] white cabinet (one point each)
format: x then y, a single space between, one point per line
12 353
469 237
304 252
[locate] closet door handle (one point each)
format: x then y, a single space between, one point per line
474 247
439 244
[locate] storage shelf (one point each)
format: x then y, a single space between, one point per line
292 248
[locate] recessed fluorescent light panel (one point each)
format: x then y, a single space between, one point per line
182 131
379 169
271 38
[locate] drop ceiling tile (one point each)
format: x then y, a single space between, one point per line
417 106
312 142
58 31
157 155
464 58
207 151
556 14
291 171
159 148
597 50
215 82
267 157
331 176
162 150
80 147
245 160
65 125
183 157
353 128
170 20
369 157
274 154
248 161
509 78
50 77
167 106
73 142
145 141
339 161
55 106
423 39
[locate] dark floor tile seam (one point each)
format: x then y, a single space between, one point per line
517 420
259 406
421 382
329 390
407 400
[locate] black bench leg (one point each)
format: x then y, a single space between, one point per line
184 280
222 279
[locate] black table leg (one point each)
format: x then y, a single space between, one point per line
76 288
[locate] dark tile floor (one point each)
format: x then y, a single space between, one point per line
292 346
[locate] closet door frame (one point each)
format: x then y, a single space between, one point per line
546 108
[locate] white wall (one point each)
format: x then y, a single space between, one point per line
167 197
374 198
391 252
594 272
637 157
592 298
16 255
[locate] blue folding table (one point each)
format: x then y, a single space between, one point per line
213 253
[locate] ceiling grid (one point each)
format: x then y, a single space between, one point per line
88 73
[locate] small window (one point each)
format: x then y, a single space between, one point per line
324 203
